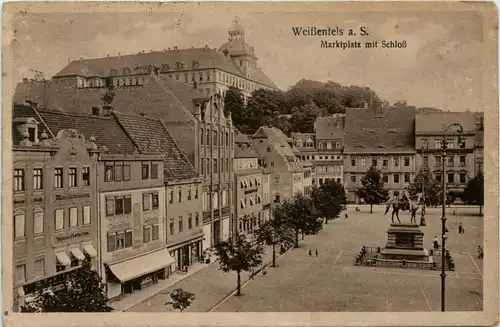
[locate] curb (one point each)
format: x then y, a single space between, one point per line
258 272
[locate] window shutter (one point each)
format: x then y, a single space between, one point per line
128 238
111 242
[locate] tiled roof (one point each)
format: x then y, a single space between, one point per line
195 58
155 97
376 132
151 137
277 138
302 136
329 127
433 122
105 130
241 138
241 151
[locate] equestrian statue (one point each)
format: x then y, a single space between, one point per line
404 202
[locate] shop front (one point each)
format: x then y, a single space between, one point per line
136 273
186 254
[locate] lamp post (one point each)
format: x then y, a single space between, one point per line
443 214
422 214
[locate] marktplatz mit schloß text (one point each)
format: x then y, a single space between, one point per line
384 44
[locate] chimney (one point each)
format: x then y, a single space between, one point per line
168 49
365 105
33 104
107 55
25 79
142 114
175 48
206 47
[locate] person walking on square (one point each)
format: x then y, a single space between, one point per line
346 216
310 252
460 228
436 243
316 252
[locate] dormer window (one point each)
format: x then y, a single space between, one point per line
126 71
179 65
165 67
195 64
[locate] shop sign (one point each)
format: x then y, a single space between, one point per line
19 201
72 236
60 197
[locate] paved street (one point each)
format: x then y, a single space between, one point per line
331 282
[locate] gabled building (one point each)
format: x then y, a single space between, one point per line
197 125
461 159
54 204
276 155
183 227
383 138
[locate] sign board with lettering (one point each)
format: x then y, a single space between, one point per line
60 197
72 236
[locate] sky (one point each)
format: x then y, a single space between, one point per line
440 67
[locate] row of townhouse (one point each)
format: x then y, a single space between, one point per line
398 141
114 188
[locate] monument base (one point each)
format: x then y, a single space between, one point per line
405 241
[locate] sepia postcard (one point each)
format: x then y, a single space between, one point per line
250 164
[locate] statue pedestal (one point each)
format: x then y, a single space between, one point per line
405 241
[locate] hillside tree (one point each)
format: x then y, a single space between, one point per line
474 191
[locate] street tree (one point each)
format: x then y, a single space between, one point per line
180 299
425 181
329 199
474 191
275 232
372 190
238 255
301 215
78 290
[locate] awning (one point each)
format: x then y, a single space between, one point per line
78 254
139 266
63 258
89 249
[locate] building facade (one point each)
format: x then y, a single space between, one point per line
277 157
55 217
460 159
133 245
184 226
248 187
380 138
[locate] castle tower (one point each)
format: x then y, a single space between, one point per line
239 51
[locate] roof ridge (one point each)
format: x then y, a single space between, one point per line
124 130
134 115
74 114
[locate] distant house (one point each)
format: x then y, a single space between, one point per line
380 138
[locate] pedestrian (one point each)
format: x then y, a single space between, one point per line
310 253
460 228
346 216
436 243
316 252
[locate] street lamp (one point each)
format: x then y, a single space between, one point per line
422 214
460 130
